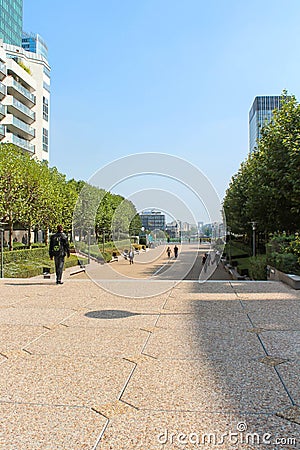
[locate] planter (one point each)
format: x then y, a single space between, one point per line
288 278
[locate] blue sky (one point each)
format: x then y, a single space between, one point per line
178 77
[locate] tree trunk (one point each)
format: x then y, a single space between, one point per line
29 237
46 236
10 233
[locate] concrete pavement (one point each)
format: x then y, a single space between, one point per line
204 365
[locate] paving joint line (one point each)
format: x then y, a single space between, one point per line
267 354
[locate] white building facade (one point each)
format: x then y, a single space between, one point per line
25 100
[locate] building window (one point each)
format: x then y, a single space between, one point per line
45 109
45 140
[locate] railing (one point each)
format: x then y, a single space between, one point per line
23 91
2 130
23 126
2 89
2 68
2 109
24 109
22 143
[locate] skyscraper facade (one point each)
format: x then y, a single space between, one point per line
24 90
260 114
34 43
11 21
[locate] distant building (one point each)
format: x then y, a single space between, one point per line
11 21
173 229
153 220
34 43
24 100
260 114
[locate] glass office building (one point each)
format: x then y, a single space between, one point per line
11 21
34 43
260 114
153 220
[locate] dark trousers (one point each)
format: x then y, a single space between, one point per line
59 266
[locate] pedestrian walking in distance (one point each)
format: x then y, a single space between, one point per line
175 251
59 248
131 256
169 252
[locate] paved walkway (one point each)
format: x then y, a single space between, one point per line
191 368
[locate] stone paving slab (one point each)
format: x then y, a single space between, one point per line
263 288
208 287
52 391
188 305
90 318
159 430
290 373
17 336
285 343
206 385
36 427
203 322
209 343
59 380
89 342
33 316
132 304
277 316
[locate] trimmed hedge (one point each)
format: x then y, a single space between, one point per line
25 255
27 269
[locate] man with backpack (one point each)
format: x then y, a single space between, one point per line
59 248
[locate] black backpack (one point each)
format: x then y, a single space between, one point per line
57 247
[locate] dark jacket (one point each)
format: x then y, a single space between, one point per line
64 245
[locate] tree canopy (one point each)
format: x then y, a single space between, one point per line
35 196
266 189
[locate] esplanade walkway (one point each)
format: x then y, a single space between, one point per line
199 365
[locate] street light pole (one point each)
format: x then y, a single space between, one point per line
253 238
2 245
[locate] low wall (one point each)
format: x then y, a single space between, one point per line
288 278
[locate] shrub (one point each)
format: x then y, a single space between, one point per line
25 255
258 267
285 262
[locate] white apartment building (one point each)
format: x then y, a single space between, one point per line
24 100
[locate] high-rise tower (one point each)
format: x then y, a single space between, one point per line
260 114
11 21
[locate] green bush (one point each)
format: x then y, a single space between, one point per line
27 269
285 262
25 255
258 267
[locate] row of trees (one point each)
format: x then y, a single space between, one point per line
266 188
35 196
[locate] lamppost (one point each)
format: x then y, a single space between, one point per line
89 245
253 237
2 245
229 244
103 240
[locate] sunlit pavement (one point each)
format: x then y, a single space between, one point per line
211 365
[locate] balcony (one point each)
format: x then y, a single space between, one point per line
17 126
2 111
2 91
19 110
2 131
20 92
2 70
22 143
